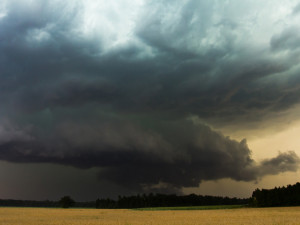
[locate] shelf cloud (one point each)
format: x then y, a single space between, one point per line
174 153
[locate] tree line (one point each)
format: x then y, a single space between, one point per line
163 200
64 202
278 196
135 201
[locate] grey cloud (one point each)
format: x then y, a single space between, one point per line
177 28
283 162
289 39
296 9
12 133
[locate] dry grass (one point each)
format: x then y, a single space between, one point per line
43 216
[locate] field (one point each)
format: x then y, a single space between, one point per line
249 216
193 207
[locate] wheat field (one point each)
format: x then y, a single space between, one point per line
249 216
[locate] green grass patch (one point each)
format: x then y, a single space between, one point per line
209 207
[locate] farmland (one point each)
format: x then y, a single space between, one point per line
46 216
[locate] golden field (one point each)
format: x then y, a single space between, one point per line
249 216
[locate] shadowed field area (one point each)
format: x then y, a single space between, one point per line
257 216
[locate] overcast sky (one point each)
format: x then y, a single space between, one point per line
102 98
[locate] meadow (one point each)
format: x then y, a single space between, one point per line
249 216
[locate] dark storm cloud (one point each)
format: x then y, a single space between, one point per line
168 155
47 62
84 99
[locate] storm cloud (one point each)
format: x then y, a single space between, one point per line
180 63
116 86
166 155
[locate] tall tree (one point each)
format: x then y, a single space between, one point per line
66 202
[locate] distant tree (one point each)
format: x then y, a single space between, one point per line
66 202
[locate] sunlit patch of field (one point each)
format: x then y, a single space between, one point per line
249 216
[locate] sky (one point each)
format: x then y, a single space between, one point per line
106 98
